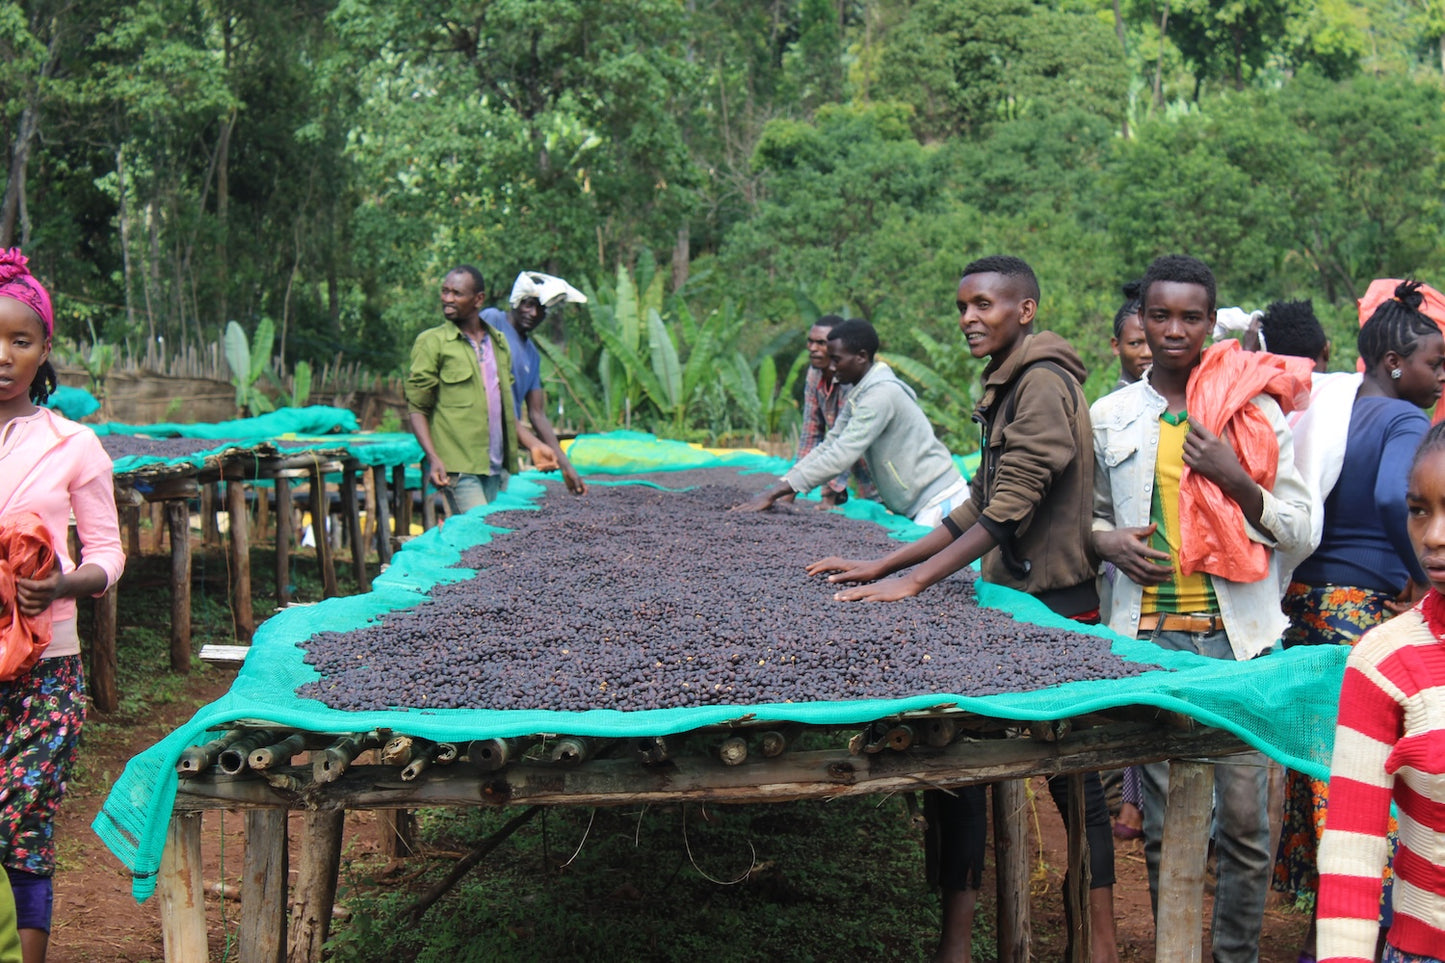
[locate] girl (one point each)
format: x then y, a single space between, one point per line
1128 341
1387 746
54 468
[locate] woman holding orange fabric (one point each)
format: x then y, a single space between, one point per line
50 468
1364 568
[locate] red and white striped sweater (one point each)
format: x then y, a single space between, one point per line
1390 743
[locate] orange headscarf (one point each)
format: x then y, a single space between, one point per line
1211 524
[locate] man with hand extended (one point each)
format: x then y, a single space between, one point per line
823 399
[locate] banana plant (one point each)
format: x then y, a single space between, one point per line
248 361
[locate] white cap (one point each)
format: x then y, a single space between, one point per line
545 288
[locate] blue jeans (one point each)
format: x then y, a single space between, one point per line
468 491
1241 806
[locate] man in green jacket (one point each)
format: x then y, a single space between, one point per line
459 397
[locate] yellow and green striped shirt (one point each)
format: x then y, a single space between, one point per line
1181 593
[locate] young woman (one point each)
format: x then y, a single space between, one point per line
53 468
1364 562
1128 341
1387 747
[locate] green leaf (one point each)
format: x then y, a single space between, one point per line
580 388
300 384
636 369
238 359
261 347
664 360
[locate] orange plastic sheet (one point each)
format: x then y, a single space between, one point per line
1382 290
1211 524
25 552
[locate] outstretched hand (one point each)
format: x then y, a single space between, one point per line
888 590
1128 549
847 569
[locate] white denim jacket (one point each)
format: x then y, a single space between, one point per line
1126 446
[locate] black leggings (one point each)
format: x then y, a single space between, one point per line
960 821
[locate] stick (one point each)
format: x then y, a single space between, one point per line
465 864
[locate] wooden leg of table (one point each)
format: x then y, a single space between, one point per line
263 514
353 526
1179 923
240 561
210 499
320 509
158 526
403 501
183 901
396 832
265 876
1011 868
428 507
283 541
178 516
1077 891
101 681
316 884
383 514
130 521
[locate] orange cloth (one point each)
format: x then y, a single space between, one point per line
1382 290
1211 524
25 552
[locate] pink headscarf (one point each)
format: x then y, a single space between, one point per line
18 284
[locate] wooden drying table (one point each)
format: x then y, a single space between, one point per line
867 764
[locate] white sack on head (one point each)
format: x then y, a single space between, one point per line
1232 321
545 288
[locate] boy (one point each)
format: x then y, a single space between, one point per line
1221 605
1028 516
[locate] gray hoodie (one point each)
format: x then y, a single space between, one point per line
882 423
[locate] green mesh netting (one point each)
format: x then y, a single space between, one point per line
73 403
311 420
1283 704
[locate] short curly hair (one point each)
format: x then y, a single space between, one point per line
1290 327
1180 269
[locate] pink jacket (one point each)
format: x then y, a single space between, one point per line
54 467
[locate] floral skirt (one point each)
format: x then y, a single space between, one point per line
43 712
1328 615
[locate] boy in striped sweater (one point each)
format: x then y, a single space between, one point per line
1390 744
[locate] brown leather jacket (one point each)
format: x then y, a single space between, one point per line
1034 488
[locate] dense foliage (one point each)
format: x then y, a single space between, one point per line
714 171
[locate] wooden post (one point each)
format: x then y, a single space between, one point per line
1179 922
320 509
428 507
244 615
72 542
396 832
315 884
130 521
353 525
158 526
283 540
101 671
403 501
263 514
210 531
183 901
1077 892
383 514
265 876
178 515
1011 869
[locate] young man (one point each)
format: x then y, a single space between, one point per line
1157 467
459 396
1028 516
532 294
822 402
882 423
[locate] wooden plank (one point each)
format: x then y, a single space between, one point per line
1077 892
315 885
383 514
178 518
1011 869
244 614
183 902
352 515
100 674
796 775
225 656
284 522
1179 922
320 510
264 880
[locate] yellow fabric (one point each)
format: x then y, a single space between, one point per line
1181 593
9 935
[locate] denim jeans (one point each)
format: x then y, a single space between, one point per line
468 491
1241 807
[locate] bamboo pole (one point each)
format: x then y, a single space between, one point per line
264 878
102 669
1179 921
315 884
178 516
1011 866
183 902
244 614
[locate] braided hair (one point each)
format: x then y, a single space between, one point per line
1130 308
1433 441
1397 325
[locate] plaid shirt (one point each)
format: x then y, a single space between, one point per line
822 400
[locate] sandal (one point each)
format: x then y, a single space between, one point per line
1122 831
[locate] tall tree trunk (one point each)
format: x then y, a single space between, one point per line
681 255
14 202
223 209
1159 63
124 212
1124 49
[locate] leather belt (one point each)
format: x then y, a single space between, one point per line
1169 622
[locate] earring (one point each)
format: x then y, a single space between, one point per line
1395 373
